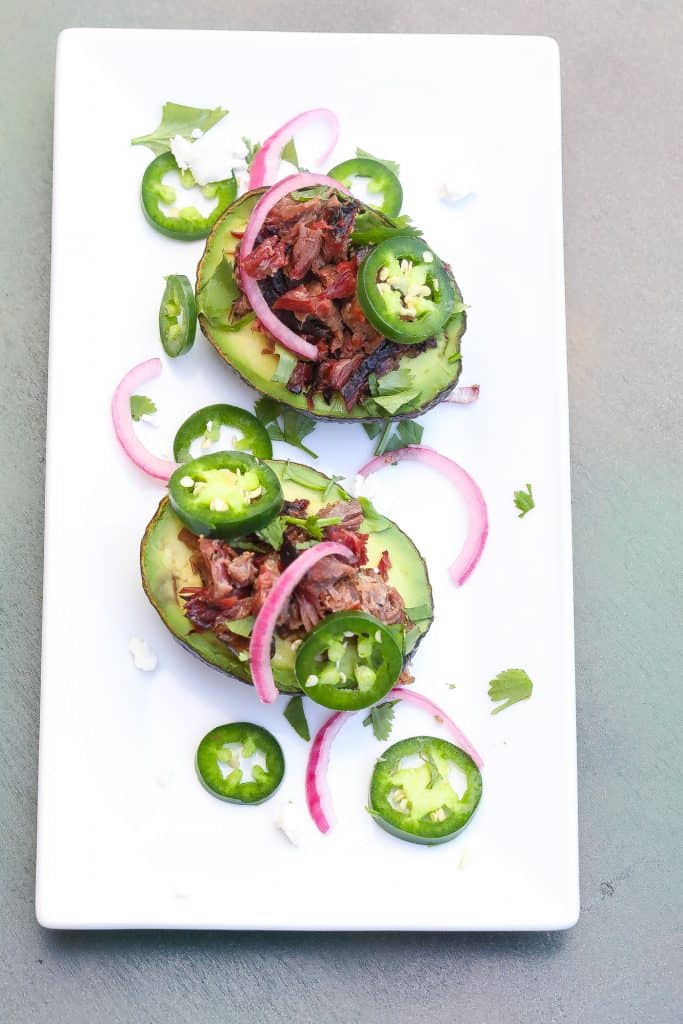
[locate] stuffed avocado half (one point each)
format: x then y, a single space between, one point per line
318 268
207 591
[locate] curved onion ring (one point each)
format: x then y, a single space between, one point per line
266 620
160 469
264 166
318 795
268 320
477 515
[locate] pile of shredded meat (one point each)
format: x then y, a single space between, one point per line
236 583
306 267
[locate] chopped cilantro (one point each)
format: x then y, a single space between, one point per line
289 154
296 716
177 119
511 685
330 488
215 299
373 522
524 501
381 718
251 149
273 533
311 524
266 410
284 424
399 435
141 405
372 429
391 164
371 228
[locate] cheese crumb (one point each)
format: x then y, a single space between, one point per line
288 820
143 656
186 481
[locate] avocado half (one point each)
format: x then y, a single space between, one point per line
165 568
243 349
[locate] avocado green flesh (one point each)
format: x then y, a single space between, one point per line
165 567
243 349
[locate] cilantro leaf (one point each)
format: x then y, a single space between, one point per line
370 228
290 155
372 429
273 533
381 718
177 119
399 435
216 297
511 685
141 405
373 522
284 424
398 401
296 716
294 427
391 164
330 488
251 148
524 501
266 410
393 383
312 525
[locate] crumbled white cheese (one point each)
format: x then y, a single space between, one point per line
196 133
144 657
186 481
465 857
208 160
288 820
451 196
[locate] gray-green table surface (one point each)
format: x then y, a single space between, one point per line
622 134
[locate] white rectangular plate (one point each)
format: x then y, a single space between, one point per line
127 837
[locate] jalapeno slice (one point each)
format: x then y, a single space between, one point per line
240 762
349 661
177 316
186 224
225 494
405 290
412 790
210 419
380 180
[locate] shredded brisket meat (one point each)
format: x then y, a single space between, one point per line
306 268
236 583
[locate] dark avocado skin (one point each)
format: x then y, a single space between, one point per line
340 417
414 586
